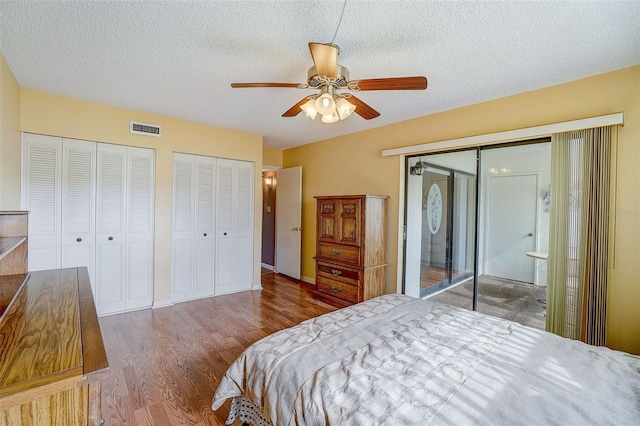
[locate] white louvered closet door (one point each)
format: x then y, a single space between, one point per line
244 226
225 250
183 227
111 188
140 227
42 197
204 225
234 226
78 204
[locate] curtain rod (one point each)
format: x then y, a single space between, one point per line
509 135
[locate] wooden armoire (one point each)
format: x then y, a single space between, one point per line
351 248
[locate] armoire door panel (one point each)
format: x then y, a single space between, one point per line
349 221
42 197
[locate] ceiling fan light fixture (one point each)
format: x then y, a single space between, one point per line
309 109
345 108
325 104
330 118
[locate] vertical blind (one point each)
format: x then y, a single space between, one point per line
579 234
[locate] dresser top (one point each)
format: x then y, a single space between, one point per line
49 331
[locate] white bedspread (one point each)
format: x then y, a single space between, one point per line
396 360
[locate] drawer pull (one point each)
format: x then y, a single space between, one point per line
335 289
336 251
336 272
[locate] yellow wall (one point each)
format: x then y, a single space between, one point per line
271 157
58 116
9 138
353 164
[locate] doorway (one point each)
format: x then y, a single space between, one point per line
282 220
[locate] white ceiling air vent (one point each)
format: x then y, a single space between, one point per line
145 129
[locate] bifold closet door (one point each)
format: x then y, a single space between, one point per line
193 236
124 234
139 227
110 228
234 226
42 196
183 227
91 204
204 238
78 204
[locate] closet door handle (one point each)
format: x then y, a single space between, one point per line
204 235
78 239
110 238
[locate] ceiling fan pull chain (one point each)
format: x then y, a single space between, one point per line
339 22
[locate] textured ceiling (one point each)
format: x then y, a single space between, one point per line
178 58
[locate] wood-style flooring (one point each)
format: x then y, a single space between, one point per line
165 364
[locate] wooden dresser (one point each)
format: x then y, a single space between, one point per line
51 349
351 248
13 242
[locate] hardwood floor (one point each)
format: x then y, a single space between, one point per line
165 364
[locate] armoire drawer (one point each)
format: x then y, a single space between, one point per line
339 253
346 292
339 273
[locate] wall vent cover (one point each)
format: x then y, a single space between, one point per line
145 129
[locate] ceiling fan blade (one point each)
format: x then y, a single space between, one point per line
245 85
325 58
362 109
295 110
396 83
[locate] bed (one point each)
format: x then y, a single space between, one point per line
397 360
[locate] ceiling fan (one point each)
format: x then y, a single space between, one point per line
330 77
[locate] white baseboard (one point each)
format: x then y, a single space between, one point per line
269 267
162 304
308 280
256 287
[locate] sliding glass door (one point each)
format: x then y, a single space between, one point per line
440 222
